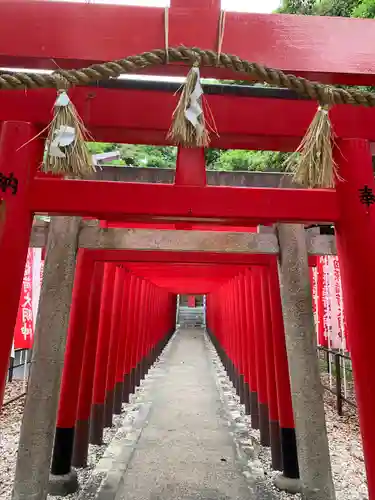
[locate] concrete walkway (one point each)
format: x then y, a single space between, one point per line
184 451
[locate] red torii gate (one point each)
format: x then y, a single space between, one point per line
273 125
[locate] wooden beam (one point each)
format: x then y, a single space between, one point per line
275 124
294 44
115 200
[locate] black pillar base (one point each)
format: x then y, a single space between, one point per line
126 388
289 453
97 424
81 443
138 374
242 389
117 405
247 398
62 451
254 410
277 459
108 408
264 425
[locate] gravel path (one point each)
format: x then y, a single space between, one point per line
344 439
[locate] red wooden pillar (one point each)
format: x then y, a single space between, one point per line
261 374
190 167
191 301
81 437
120 363
355 234
230 333
134 331
252 360
152 333
101 363
19 158
146 360
140 321
284 397
143 319
129 341
222 322
114 345
271 374
240 342
74 353
245 342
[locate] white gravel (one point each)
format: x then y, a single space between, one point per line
345 444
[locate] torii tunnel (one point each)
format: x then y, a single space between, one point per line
157 240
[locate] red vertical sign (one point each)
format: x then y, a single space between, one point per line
24 331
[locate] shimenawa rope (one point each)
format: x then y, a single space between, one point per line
324 94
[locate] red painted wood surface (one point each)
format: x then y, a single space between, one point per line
190 167
170 226
269 346
115 330
284 398
15 227
355 237
191 301
265 124
105 319
75 346
114 199
333 49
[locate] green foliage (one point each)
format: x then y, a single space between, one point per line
237 160
255 161
365 9
340 8
297 7
132 155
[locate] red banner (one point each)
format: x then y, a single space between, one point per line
328 304
24 331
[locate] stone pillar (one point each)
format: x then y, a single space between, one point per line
307 390
39 418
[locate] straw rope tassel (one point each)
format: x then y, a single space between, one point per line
188 127
67 153
315 167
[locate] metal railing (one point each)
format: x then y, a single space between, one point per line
13 366
339 368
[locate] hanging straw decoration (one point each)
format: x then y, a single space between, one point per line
188 127
315 166
67 153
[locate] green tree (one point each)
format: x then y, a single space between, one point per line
255 161
340 8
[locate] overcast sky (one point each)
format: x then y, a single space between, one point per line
233 5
